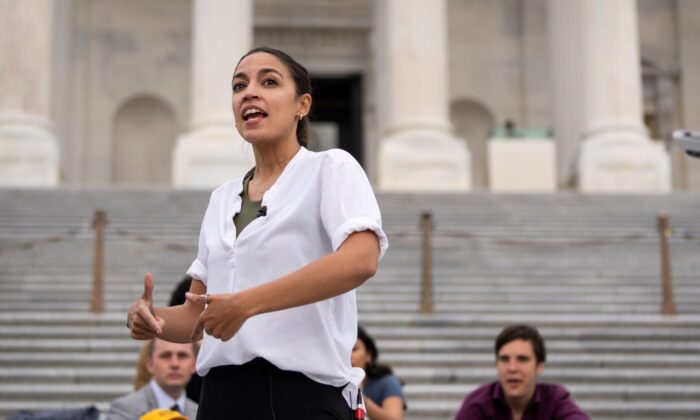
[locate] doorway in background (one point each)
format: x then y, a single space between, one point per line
337 117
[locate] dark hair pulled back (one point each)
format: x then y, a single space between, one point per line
373 369
302 83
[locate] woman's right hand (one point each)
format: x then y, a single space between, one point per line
141 318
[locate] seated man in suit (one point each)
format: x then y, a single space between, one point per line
516 395
171 366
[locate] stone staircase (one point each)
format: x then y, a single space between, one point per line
583 269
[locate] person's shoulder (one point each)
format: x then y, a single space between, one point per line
477 403
563 405
338 163
226 188
191 408
133 397
480 396
553 392
387 384
128 405
388 379
483 390
335 157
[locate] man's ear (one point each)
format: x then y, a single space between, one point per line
149 365
540 367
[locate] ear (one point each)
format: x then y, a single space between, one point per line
149 365
540 368
304 104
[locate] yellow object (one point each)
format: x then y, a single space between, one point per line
163 414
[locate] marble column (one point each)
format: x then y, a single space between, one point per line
417 150
28 146
688 16
212 151
566 64
616 154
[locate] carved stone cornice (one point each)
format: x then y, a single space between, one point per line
313 14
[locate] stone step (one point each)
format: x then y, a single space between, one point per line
382 285
580 392
577 266
426 346
68 377
422 409
567 375
447 308
127 359
580 332
370 294
380 319
560 360
64 392
443 409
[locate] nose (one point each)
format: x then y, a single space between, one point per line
251 92
174 360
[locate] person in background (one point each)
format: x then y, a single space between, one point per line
383 393
516 395
171 365
194 386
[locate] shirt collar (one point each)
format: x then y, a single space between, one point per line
164 400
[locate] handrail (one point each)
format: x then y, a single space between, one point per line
427 264
99 222
668 306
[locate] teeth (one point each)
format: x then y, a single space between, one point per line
251 111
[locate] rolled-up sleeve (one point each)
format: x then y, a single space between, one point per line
348 204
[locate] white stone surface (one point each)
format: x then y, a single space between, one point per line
423 160
522 165
210 156
616 155
28 152
212 151
566 63
107 53
28 146
689 38
417 151
619 162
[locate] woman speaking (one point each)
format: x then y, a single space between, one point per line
281 251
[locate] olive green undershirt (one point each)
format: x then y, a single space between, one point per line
249 208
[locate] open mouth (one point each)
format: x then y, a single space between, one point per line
513 382
254 113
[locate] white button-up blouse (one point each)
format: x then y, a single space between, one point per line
316 203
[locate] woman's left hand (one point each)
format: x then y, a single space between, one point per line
223 316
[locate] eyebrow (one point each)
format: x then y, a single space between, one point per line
260 73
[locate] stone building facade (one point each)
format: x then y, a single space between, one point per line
453 95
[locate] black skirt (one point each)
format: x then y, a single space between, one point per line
258 390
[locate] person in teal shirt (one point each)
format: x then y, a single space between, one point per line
383 392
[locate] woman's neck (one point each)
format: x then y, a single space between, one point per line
270 161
